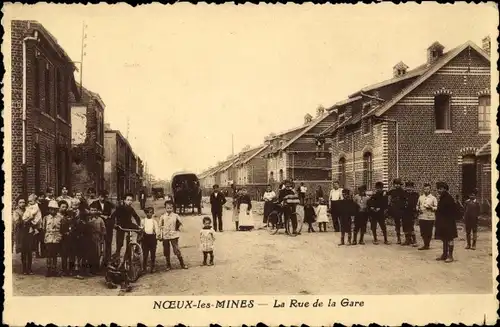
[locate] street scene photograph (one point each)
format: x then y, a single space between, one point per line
250 150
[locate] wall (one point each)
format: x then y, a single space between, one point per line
484 183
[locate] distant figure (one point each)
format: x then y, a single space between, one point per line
471 217
309 215
269 197
142 199
217 201
322 214
245 211
335 197
319 193
361 219
302 193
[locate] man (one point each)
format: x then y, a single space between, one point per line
217 201
92 195
125 217
446 225
427 206
397 203
288 209
64 195
302 193
105 209
377 205
142 199
335 197
410 214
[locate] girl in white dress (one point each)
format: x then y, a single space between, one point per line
245 211
207 239
322 215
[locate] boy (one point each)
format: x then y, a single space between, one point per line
96 241
67 242
169 234
126 217
427 205
116 274
81 238
334 198
288 209
397 203
149 238
347 209
51 226
471 216
361 219
377 205
410 214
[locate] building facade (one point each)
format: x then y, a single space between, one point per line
423 125
484 177
42 84
87 121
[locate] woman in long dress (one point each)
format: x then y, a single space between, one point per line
245 217
236 194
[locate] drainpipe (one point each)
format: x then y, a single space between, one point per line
353 162
397 140
24 168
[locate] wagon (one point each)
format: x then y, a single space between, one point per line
186 192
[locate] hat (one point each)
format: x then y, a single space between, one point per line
53 204
362 188
409 184
442 185
397 181
379 185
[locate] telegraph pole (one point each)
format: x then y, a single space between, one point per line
83 53
128 126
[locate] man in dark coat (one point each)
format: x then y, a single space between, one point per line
397 204
217 201
446 225
105 209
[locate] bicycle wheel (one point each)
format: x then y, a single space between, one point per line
272 222
134 262
289 225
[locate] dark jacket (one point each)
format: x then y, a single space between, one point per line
411 202
377 201
245 199
106 210
309 214
397 201
217 201
472 210
446 216
347 208
124 215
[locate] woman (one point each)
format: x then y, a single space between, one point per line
269 197
236 194
17 224
31 219
245 217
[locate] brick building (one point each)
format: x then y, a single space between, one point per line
484 177
423 125
42 84
87 120
118 173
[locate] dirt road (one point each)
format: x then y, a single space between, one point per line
312 263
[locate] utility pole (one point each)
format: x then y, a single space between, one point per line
128 126
83 53
232 144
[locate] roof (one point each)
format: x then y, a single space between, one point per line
297 128
446 58
315 122
255 153
182 173
346 101
92 95
115 131
485 150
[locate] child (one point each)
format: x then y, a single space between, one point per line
67 252
410 214
81 236
51 226
347 211
207 239
115 274
33 214
361 218
377 204
471 216
169 234
322 214
149 239
309 215
98 230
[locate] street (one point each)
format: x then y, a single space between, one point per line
312 263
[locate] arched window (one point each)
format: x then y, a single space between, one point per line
367 170
483 111
281 175
442 112
271 177
342 176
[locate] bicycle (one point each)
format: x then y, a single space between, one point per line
275 220
133 256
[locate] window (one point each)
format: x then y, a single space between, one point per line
99 126
271 177
442 112
342 176
367 170
59 107
48 89
281 175
341 134
320 150
484 113
367 126
37 81
48 164
37 165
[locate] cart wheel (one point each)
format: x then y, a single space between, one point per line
272 222
134 262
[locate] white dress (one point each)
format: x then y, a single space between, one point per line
245 220
322 214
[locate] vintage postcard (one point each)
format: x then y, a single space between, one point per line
236 164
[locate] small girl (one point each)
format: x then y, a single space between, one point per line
322 214
309 215
207 238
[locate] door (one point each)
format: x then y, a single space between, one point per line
469 175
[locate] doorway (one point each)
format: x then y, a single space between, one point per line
469 175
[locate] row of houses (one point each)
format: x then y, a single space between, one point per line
425 124
59 137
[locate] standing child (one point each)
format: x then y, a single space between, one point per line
67 251
471 217
347 209
322 214
309 215
169 234
361 218
96 240
81 238
34 215
207 239
377 204
51 226
151 232
410 214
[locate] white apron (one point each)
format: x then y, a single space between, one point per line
244 219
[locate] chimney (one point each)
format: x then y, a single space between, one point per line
107 127
307 119
434 52
320 111
487 45
399 69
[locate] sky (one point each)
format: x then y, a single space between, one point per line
188 77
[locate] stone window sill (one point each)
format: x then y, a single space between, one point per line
443 131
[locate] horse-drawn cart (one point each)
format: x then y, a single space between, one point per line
186 192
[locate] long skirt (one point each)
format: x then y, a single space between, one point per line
235 213
245 219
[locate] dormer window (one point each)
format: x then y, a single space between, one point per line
399 69
434 52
